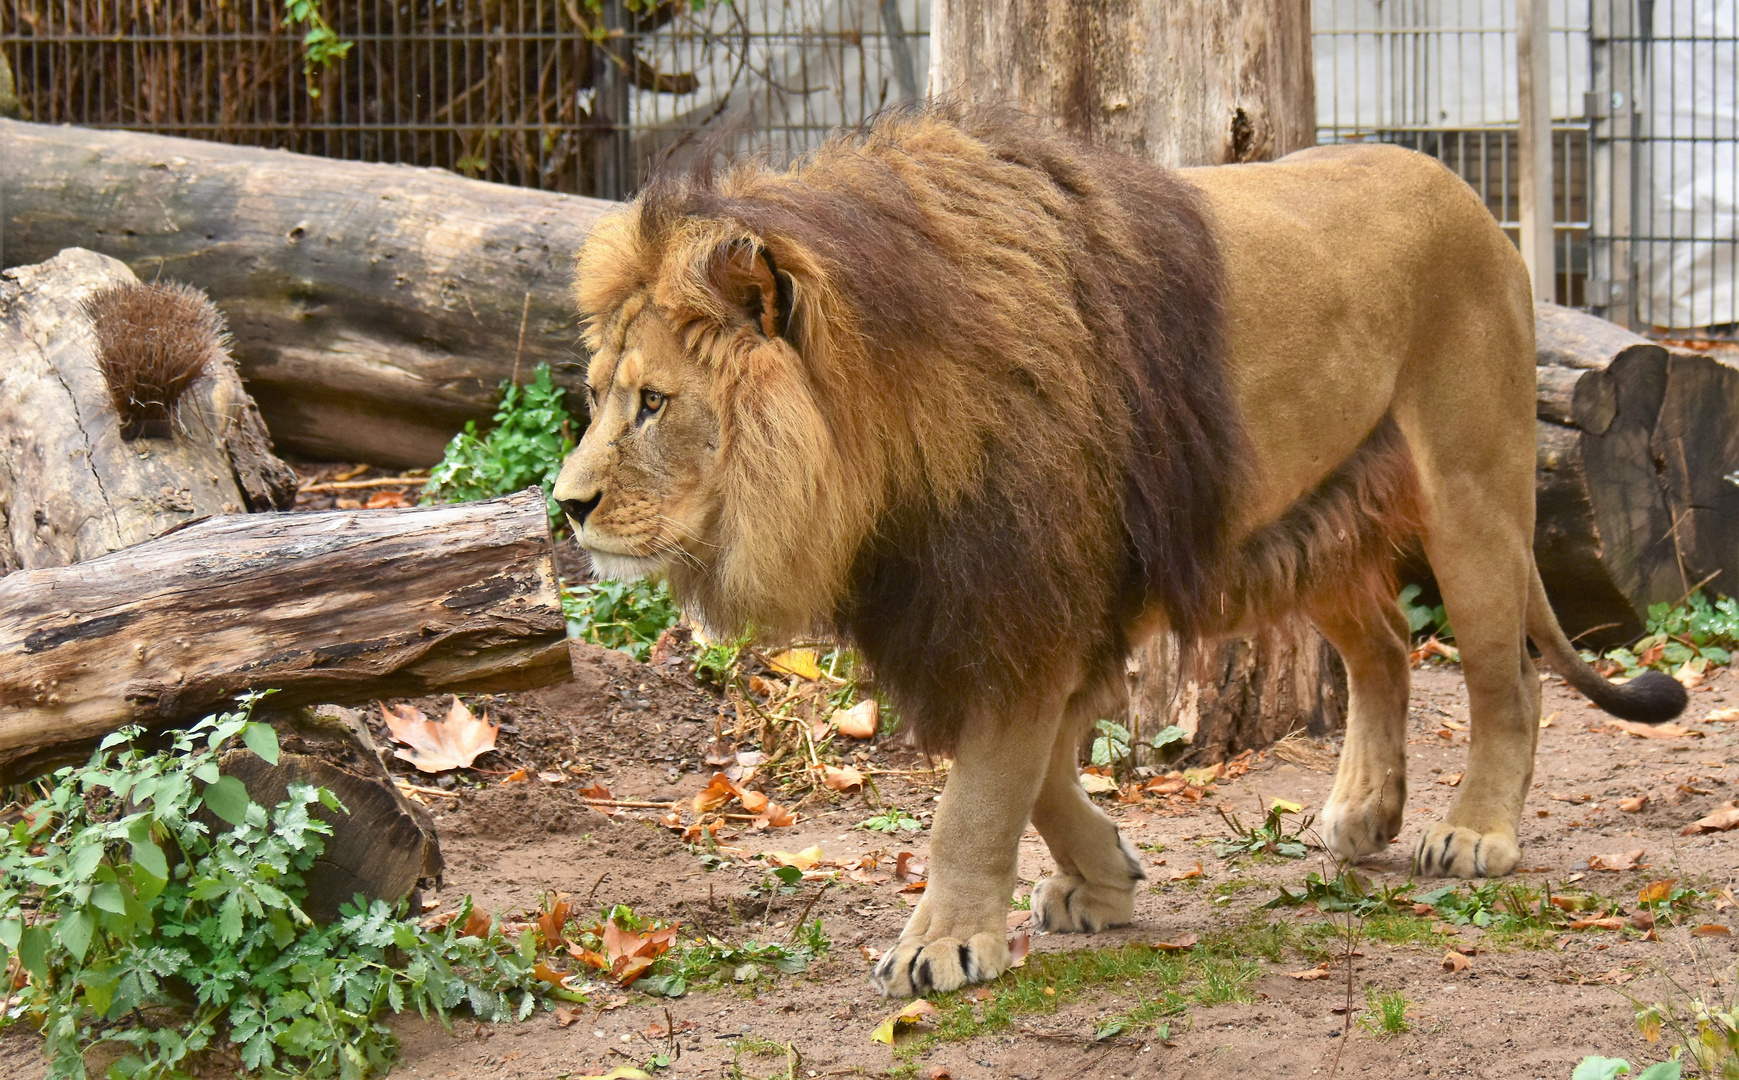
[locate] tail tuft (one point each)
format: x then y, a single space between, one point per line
1651 698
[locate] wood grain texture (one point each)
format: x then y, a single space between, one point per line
1194 82
71 488
375 308
328 607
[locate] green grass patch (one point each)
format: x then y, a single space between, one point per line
1386 1014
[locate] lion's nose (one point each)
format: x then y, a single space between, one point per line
578 509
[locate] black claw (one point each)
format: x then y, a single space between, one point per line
921 977
1478 863
1443 859
966 964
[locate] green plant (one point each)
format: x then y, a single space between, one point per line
532 433
1386 1014
1600 1068
1496 905
141 921
1112 747
321 46
716 662
1269 838
623 615
892 820
1424 618
712 961
1345 892
1698 632
1707 1033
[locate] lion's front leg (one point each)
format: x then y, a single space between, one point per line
959 932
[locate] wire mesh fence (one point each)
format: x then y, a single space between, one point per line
1644 124
569 95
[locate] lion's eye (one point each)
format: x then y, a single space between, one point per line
650 402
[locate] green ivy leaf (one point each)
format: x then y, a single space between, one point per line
74 932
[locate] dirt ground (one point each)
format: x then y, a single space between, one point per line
1525 1007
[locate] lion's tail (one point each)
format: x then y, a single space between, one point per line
1652 697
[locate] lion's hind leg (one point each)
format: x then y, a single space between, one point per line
1363 812
1098 870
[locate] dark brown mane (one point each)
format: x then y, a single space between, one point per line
1044 310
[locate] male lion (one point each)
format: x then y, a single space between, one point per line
990 405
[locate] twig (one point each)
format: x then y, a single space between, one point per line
632 804
353 485
595 885
520 349
406 786
669 1024
801 919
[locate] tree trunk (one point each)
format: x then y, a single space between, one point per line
1205 82
338 606
72 485
1636 446
375 308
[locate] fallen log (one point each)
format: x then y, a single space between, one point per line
121 415
375 308
329 607
1634 502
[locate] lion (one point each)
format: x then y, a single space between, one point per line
991 405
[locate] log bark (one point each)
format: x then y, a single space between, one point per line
1636 446
71 486
375 308
329 607
1201 83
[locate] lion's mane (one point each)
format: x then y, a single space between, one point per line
999 423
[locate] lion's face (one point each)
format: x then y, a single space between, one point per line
640 488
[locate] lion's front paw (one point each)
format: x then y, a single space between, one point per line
916 967
1066 904
1455 851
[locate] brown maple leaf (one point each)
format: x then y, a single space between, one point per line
436 747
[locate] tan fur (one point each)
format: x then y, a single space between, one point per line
991 405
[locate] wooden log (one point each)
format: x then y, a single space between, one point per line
375 308
78 479
1636 446
329 607
383 847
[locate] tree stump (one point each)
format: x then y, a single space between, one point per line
1206 83
81 477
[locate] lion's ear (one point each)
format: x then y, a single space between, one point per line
750 280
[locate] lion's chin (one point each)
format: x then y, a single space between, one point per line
608 564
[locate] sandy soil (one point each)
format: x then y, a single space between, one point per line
645 732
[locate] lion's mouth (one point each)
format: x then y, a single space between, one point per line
609 564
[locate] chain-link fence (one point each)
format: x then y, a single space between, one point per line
1643 132
569 95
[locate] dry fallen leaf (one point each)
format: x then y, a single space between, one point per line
1454 961
1546 721
565 1016
1633 804
627 953
550 923
915 1011
1654 731
938 1072
1019 944
843 778
1452 779
1723 715
1573 799
807 859
385 499
1182 943
719 791
1098 785
908 867
860 721
798 662
1713 930
1320 971
1656 891
1720 821
437 747
1185 875
1617 861
1607 923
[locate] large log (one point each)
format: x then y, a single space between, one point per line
329 607
375 308
1638 445
76 480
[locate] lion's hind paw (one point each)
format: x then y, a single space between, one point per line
1447 850
1066 904
916 967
